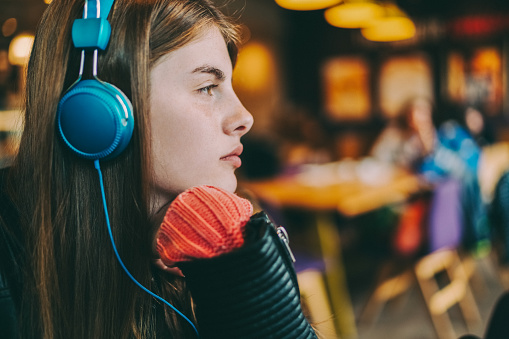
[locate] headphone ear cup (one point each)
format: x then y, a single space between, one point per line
95 120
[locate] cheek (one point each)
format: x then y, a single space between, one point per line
169 121
181 135
181 144
170 136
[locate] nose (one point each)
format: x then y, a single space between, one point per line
240 121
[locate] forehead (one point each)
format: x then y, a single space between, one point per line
208 48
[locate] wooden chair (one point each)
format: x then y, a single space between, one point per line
440 299
439 296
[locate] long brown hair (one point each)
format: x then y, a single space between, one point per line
73 286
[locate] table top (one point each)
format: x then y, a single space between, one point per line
350 197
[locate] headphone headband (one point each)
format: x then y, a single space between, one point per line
93 30
97 9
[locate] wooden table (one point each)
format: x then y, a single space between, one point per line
350 198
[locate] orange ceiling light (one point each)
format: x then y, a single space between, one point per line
307 5
353 14
255 67
393 26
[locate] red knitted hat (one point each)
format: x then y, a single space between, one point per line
202 222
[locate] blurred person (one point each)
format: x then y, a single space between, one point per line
438 149
191 257
478 126
471 118
408 137
456 156
404 143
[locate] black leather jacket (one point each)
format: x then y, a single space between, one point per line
250 293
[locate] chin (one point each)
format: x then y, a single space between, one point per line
229 185
225 182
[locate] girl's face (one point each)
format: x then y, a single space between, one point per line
196 119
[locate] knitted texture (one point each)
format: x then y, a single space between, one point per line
202 222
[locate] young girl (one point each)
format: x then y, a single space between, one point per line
166 207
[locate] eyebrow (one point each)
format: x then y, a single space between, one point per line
210 70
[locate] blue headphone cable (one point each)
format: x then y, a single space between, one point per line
98 168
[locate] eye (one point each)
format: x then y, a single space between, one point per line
207 90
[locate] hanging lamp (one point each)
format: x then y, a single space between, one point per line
394 25
353 13
307 5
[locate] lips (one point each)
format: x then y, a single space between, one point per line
234 157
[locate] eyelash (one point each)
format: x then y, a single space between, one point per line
207 90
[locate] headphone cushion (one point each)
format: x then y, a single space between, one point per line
95 119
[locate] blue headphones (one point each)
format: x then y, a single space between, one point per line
94 118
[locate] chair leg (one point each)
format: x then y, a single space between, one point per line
387 288
467 304
441 321
316 299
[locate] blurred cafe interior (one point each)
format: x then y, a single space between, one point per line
381 143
